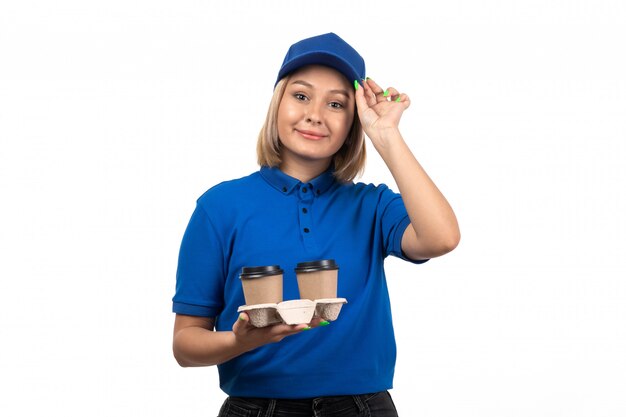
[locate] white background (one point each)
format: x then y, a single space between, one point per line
115 116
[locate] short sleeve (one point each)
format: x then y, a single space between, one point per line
200 274
394 220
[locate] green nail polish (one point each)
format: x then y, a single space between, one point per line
307 328
386 93
398 100
356 85
241 318
367 78
324 323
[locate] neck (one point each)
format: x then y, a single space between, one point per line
304 171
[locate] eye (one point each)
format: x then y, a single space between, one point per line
300 96
336 105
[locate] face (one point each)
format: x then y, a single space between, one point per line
315 115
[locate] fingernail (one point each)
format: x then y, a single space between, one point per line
324 323
386 93
356 85
242 318
398 100
307 328
367 78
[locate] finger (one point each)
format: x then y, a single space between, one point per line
278 332
318 322
382 95
398 97
315 322
241 323
373 92
370 96
392 94
361 102
282 328
404 99
376 89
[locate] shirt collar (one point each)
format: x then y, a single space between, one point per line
286 184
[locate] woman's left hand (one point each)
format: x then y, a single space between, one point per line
379 110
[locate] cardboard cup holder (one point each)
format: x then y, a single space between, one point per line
293 311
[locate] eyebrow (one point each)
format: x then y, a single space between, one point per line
307 84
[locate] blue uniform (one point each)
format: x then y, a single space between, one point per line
270 218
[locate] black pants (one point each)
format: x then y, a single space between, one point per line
378 404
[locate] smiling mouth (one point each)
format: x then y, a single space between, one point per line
310 135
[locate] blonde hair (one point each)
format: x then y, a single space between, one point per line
349 161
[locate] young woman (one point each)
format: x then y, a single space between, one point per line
302 205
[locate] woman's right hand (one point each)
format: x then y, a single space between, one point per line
252 337
196 343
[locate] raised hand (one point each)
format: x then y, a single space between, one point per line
379 110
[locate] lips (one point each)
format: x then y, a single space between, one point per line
310 134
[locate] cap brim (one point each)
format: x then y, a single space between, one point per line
320 58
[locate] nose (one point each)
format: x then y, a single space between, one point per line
313 114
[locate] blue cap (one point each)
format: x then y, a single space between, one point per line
328 49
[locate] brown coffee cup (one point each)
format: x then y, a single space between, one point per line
317 279
262 284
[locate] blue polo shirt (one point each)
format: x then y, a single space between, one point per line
270 218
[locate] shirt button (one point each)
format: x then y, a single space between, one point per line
284 189
304 189
304 210
306 230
